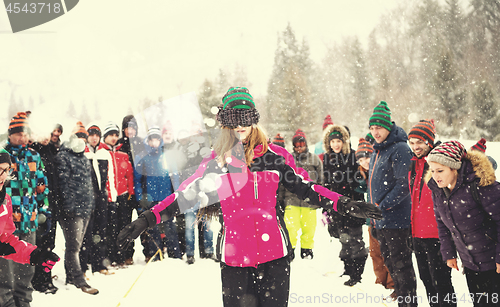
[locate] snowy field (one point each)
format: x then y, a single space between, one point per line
173 282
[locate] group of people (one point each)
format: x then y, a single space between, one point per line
89 185
437 200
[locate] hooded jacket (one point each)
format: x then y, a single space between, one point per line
340 171
254 230
27 188
76 192
8 240
462 223
388 180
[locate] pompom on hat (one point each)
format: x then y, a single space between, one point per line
238 109
449 154
480 145
424 130
381 116
327 122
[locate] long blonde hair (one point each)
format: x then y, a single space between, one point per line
227 140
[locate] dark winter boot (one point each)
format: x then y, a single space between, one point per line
306 253
348 265
358 267
190 259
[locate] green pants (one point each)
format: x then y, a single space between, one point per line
304 219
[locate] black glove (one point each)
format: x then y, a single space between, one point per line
358 208
134 229
44 257
6 249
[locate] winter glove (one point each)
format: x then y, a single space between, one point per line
134 229
6 249
358 208
44 258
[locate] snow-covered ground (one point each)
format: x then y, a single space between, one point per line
173 282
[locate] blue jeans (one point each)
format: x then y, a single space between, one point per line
190 217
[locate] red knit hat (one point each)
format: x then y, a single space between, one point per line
424 130
480 145
279 140
365 149
299 136
19 123
327 122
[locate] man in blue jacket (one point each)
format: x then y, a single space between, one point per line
388 189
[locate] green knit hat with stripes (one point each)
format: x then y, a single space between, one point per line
381 116
238 109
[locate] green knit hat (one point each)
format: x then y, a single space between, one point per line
238 109
381 116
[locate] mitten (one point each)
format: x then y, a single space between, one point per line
361 209
130 232
6 249
46 258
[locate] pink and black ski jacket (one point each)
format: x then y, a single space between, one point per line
8 240
254 230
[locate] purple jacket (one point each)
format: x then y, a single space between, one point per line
461 223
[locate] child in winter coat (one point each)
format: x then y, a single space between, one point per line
467 207
340 167
243 178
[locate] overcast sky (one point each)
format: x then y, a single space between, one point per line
118 52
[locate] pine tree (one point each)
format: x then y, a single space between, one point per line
486 109
289 88
450 94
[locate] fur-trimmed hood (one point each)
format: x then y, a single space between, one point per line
346 146
481 166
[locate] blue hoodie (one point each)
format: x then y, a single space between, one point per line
388 180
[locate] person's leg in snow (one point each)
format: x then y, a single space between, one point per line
267 285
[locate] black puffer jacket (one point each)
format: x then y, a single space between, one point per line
76 192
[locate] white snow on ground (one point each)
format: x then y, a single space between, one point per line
165 283
173 282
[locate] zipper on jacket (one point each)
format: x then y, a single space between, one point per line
371 177
255 186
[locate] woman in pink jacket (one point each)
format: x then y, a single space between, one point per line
243 177
10 246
